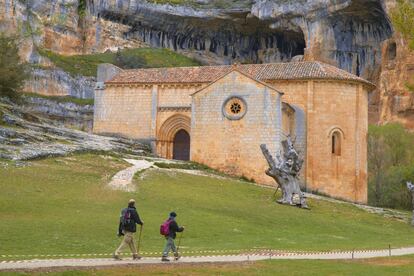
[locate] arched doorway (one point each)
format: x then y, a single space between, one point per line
181 146
174 134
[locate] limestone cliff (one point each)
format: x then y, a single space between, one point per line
27 132
354 35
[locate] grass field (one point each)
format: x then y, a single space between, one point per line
379 266
62 206
86 65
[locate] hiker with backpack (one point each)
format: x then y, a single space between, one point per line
169 230
127 227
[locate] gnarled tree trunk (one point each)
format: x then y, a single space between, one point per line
285 170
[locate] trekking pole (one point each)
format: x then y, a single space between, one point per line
139 239
179 241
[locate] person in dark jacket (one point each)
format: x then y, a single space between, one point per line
127 227
170 245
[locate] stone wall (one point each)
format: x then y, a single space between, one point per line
330 106
316 110
124 110
233 146
140 111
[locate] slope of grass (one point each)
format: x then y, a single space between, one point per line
86 65
379 266
62 206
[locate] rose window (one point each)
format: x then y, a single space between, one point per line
234 108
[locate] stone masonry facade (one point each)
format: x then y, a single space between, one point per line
228 111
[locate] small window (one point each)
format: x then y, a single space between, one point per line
336 143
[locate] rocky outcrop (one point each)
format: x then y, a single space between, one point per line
56 82
59 26
24 136
347 33
64 114
394 101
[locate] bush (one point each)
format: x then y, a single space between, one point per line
12 71
182 166
128 60
402 17
390 165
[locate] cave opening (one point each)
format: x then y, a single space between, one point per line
291 44
255 42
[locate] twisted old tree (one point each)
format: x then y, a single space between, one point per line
285 171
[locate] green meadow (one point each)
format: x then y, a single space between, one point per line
63 206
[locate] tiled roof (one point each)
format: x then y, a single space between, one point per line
263 72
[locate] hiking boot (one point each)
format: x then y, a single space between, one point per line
116 257
177 256
165 259
136 257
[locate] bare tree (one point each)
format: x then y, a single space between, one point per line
285 171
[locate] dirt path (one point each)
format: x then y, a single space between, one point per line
123 179
342 255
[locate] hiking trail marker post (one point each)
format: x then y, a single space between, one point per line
410 187
285 171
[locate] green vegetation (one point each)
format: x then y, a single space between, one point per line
86 65
62 206
82 8
379 266
12 71
403 19
1 118
410 86
183 166
390 165
61 99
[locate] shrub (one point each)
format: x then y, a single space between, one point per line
128 60
390 165
12 71
402 17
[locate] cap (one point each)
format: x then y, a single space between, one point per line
131 201
173 214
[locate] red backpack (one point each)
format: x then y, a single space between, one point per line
165 227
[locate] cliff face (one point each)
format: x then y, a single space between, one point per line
351 34
393 101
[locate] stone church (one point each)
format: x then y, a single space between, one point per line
219 116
